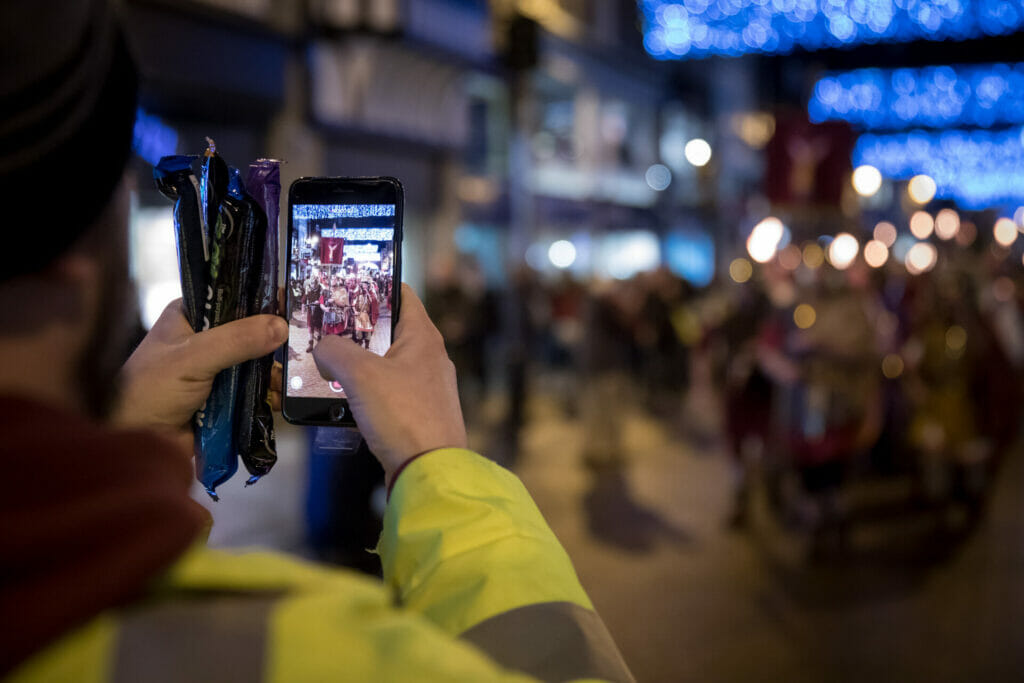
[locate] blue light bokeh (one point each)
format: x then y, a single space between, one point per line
935 96
680 29
152 138
975 168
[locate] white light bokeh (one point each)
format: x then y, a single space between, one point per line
1005 231
698 152
886 233
921 225
867 180
843 251
947 224
921 189
764 239
875 254
921 258
562 254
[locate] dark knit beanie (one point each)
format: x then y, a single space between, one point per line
68 91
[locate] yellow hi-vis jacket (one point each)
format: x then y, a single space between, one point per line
476 588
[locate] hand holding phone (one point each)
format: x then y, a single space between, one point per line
406 402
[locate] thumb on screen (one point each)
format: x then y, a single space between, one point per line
342 360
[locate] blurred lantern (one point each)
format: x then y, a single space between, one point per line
813 255
885 232
843 251
804 316
740 270
921 258
562 254
947 224
876 254
1005 231
1018 217
698 152
921 189
790 257
764 239
866 180
921 225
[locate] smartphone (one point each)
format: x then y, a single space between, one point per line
344 276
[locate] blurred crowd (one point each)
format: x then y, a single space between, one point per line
822 379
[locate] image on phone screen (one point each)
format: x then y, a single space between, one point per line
340 283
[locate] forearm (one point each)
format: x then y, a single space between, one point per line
465 546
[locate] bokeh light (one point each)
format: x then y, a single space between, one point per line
921 258
813 255
1005 231
678 29
892 366
956 339
967 234
875 254
976 168
947 224
867 180
790 257
921 225
922 188
562 254
843 251
698 152
764 239
885 232
804 316
740 270
940 96
658 177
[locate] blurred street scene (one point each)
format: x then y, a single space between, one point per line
737 288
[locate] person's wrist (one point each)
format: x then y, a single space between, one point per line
391 477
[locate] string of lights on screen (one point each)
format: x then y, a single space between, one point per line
683 29
977 169
933 97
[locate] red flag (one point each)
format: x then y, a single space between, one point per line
331 249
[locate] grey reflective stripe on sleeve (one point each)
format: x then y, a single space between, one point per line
198 638
552 641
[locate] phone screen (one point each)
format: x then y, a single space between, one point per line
340 282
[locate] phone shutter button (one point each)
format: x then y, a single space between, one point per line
337 412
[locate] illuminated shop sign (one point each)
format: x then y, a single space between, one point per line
676 29
321 211
358 234
977 169
936 97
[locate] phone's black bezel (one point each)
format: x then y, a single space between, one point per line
327 190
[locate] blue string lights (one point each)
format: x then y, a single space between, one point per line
683 29
977 169
933 97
